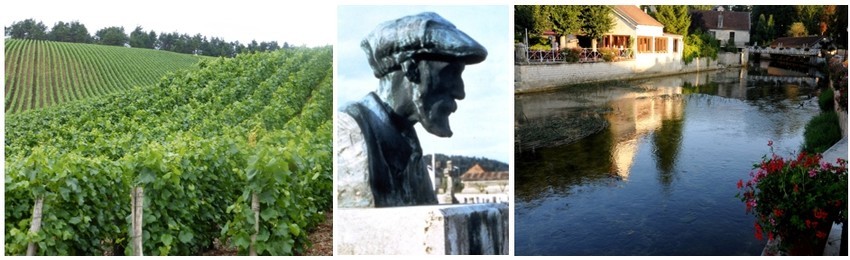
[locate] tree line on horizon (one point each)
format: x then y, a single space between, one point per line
464 163
77 32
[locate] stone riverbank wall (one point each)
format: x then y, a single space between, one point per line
468 229
533 77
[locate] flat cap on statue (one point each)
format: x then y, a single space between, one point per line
424 36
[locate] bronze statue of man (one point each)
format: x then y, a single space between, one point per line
419 60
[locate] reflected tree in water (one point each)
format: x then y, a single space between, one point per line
668 142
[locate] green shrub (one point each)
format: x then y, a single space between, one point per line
609 54
571 54
540 47
821 132
730 46
699 45
825 100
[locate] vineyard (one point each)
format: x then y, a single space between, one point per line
44 73
237 149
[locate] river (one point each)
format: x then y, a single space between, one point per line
660 177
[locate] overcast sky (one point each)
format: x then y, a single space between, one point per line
243 20
483 123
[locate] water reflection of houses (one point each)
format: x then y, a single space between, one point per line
781 72
644 116
637 114
726 83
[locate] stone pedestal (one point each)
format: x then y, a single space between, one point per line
423 230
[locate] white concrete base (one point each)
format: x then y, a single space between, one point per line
422 230
833 242
832 247
837 150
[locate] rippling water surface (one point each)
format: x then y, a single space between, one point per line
660 179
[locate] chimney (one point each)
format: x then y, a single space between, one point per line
720 21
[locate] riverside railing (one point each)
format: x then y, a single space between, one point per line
580 55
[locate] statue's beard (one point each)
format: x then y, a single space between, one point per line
435 118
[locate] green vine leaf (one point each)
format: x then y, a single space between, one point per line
185 236
166 239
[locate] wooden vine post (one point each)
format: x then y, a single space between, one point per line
255 206
255 203
35 226
137 198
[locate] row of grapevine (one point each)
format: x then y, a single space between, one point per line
201 143
44 73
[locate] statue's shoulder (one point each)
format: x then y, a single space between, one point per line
356 109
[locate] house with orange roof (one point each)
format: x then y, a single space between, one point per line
635 29
477 180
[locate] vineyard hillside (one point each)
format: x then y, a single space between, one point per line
44 73
236 150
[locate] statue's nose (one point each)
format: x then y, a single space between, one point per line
457 91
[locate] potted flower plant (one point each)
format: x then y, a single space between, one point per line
796 200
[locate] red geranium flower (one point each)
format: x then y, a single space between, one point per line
811 223
820 214
777 212
794 197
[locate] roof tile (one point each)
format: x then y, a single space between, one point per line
731 20
636 15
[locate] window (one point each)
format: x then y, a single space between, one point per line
643 44
675 45
661 44
732 36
